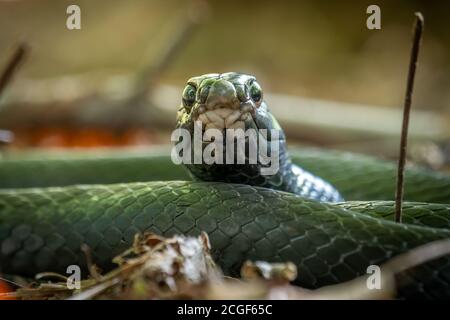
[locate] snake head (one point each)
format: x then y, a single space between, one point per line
228 108
224 101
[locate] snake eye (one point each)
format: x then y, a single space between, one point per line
189 95
255 92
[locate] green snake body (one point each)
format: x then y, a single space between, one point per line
356 176
41 229
49 207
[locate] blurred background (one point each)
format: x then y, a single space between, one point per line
331 81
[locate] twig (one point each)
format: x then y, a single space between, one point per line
406 111
196 13
357 288
95 290
90 264
12 66
11 282
417 256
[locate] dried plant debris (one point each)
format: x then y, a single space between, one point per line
182 268
154 267
275 272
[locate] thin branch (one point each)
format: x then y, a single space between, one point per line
418 29
197 12
11 282
417 256
90 264
12 65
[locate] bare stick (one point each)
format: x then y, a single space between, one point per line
418 29
91 266
12 66
11 282
195 15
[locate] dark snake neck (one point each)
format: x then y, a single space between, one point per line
289 178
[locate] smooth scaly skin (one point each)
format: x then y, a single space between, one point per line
36 230
357 177
42 229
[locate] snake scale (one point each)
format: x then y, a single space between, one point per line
50 206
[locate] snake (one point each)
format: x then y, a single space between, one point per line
331 213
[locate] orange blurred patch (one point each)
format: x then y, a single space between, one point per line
61 137
4 288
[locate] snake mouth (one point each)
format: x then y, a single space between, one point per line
223 117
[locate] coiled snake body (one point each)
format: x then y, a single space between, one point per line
50 207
